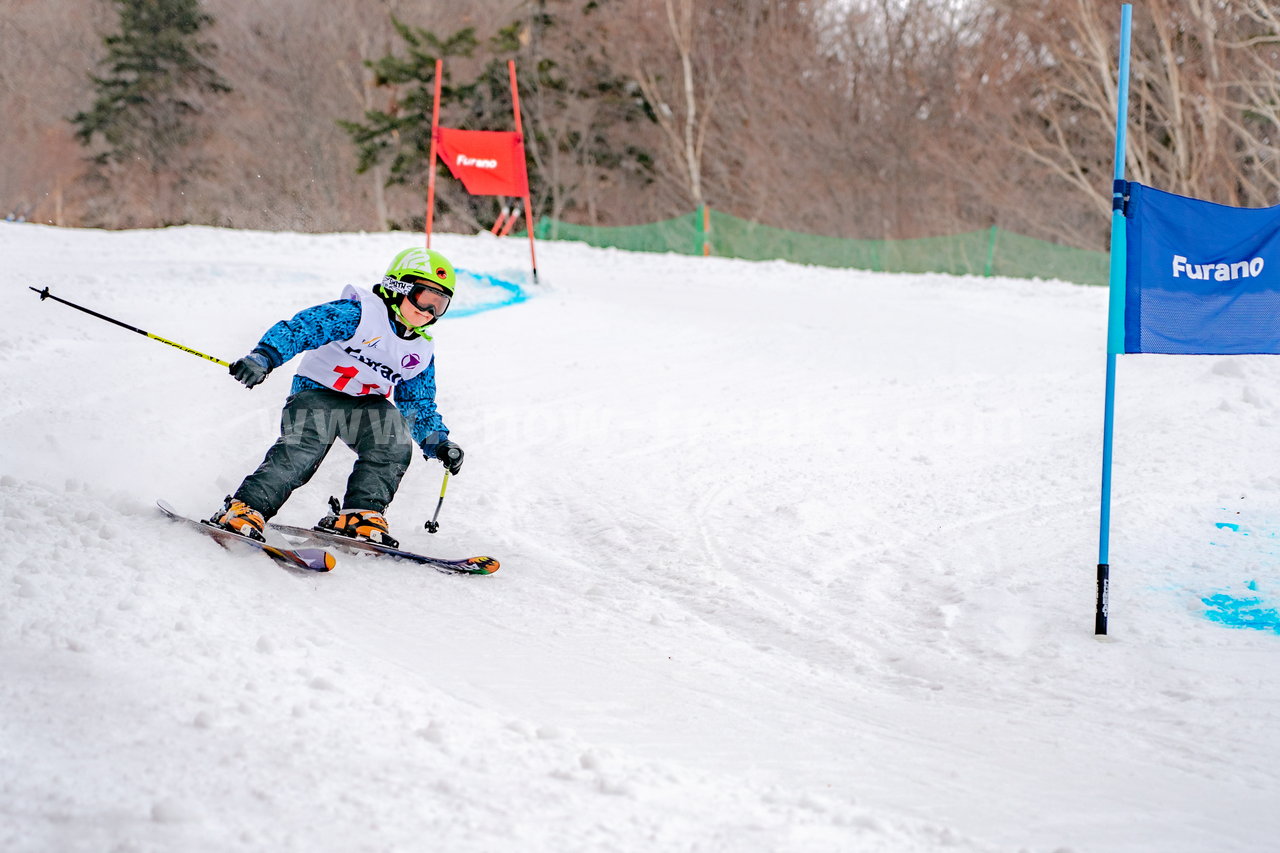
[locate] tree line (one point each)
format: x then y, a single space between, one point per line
852 118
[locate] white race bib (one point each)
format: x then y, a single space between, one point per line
375 360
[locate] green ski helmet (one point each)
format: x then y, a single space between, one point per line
418 274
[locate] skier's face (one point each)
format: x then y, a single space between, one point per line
413 315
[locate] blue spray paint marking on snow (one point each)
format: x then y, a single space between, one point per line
494 293
1241 611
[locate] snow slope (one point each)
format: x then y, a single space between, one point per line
794 559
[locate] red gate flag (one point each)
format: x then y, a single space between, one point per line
488 162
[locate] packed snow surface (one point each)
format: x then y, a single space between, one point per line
793 559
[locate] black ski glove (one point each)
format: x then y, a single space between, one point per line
451 455
251 369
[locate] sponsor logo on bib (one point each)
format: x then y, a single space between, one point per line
381 369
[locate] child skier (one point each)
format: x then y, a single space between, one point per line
362 350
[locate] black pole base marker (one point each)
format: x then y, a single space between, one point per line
1104 594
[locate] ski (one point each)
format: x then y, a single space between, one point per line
465 566
310 559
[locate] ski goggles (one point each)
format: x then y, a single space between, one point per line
435 302
422 295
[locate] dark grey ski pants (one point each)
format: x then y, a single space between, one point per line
309 424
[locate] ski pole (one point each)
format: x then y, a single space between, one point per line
45 294
432 526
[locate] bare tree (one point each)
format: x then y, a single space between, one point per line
674 55
1251 93
585 125
46 48
1202 117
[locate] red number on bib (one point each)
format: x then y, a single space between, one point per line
345 374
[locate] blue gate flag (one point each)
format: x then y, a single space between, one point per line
1200 278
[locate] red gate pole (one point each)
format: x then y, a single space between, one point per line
511 222
431 161
528 207
502 217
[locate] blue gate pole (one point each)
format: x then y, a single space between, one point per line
1115 323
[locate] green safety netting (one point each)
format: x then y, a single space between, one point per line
681 234
991 251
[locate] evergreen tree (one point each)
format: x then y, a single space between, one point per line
593 133
405 128
154 89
